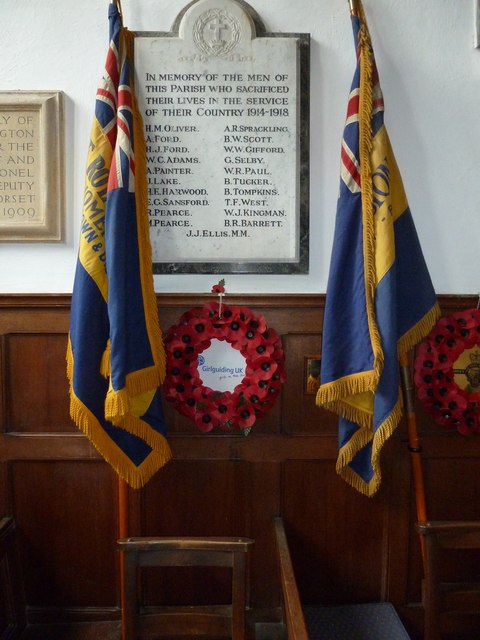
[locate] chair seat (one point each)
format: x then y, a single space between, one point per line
375 621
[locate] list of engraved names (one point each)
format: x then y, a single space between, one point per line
222 156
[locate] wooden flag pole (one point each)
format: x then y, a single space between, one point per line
122 533
414 445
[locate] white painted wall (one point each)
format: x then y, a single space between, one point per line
430 74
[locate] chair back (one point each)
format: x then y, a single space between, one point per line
451 603
196 620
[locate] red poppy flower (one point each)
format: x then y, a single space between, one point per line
245 415
258 324
224 407
253 394
261 369
218 288
203 419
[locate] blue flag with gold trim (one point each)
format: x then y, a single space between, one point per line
380 299
115 356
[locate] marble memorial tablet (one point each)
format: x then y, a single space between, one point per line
225 108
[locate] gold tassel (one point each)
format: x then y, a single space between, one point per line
351 413
143 380
105 361
117 403
359 440
69 358
348 386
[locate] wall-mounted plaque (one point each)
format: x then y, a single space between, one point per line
226 116
31 166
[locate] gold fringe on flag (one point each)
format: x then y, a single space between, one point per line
365 151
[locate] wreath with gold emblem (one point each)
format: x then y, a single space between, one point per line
447 372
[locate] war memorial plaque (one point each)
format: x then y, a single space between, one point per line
31 166
225 108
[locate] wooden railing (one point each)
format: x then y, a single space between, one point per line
292 607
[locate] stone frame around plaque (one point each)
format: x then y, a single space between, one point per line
32 198
297 261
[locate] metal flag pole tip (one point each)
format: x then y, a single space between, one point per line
353 7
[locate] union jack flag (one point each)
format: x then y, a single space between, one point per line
380 300
350 165
115 358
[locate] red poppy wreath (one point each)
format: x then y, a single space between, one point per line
447 372
244 331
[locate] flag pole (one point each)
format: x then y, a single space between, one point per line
414 445
353 7
122 533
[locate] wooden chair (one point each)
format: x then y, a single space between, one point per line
217 620
12 597
370 621
450 607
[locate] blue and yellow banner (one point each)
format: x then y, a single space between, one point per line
115 357
380 299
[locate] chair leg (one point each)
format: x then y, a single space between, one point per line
431 596
129 597
239 596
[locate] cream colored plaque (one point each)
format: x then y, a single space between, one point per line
31 166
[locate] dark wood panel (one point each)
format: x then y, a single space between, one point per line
449 487
300 413
338 537
66 516
36 383
197 496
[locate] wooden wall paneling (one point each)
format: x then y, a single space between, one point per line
65 512
338 536
36 389
61 493
5 508
452 473
300 413
216 484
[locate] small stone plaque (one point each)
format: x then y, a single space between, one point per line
31 166
225 108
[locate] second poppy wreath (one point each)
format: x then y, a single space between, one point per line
447 372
